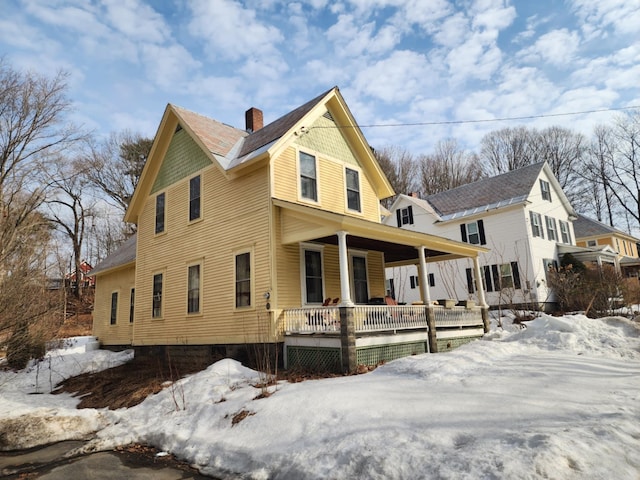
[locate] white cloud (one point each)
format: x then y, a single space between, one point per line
136 20
558 47
351 38
231 31
623 16
167 66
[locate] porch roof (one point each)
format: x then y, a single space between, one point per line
302 223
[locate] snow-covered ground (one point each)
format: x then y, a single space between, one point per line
559 400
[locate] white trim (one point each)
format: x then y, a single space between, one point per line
304 246
200 263
346 191
302 199
252 279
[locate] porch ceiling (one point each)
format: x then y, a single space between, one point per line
301 223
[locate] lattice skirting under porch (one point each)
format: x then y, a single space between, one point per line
445 344
320 359
376 354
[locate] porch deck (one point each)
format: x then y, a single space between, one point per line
314 335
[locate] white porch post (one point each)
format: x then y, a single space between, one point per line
345 288
424 278
479 284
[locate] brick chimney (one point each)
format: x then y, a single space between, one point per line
253 119
414 194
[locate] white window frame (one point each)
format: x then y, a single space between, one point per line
252 276
113 309
552 229
347 189
545 189
200 296
303 271
565 233
358 254
537 229
506 274
476 233
301 197
162 295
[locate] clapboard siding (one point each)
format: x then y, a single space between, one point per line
121 281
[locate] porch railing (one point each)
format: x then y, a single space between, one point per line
311 320
457 316
397 317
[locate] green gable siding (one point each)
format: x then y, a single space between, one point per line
324 137
184 157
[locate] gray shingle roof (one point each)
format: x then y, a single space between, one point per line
507 188
123 255
586 227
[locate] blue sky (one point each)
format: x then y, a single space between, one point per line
395 61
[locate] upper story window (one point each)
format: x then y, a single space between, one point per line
552 230
160 212
308 177
565 234
353 189
536 224
157 296
545 189
194 198
404 216
473 233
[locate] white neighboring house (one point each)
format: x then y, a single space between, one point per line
522 216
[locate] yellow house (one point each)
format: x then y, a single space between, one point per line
256 236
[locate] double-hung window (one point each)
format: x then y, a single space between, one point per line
536 224
564 232
194 198
243 279
132 302
308 177
552 230
157 296
313 276
545 190
114 308
353 189
193 289
473 233
360 283
160 211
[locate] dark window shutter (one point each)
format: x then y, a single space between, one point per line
432 280
463 232
496 277
412 281
483 240
399 217
470 281
410 209
487 278
516 275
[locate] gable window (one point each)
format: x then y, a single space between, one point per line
193 289
591 243
473 233
313 276
114 308
353 189
552 230
404 216
243 280
360 284
194 198
564 232
157 296
132 301
160 206
308 178
545 189
536 224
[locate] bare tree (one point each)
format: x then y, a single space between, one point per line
401 169
114 166
449 166
599 199
507 149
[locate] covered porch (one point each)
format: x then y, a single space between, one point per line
359 329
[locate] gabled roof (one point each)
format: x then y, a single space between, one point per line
122 256
584 227
234 151
503 190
